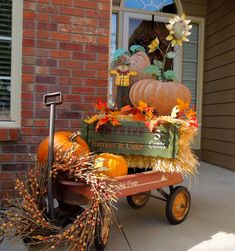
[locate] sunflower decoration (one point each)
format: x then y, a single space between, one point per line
179 30
153 45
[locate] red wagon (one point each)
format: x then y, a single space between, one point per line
134 138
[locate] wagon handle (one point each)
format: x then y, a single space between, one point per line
51 99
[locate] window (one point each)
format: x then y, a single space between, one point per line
146 16
10 61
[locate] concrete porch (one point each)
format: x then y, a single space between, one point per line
208 227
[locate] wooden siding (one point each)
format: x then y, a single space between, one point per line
194 7
218 124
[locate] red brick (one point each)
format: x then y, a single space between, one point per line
44 70
26 122
27 78
61 36
95 66
41 88
7 185
28 69
28 60
28 51
28 43
42 34
103 57
71 11
29 5
46 8
27 96
46 79
46 26
98 31
26 114
60 54
47 62
71 46
102 74
4 134
4 158
84 56
27 131
41 131
43 17
71 64
28 33
42 52
46 44
81 38
96 48
100 15
59 72
102 41
7 176
61 19
41 123
104 6
87 90
62 2
28 14
28 24
72 98
26 104
96 82
83 73
86 4
104 24
25 87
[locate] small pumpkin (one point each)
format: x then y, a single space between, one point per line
116 164
160 95
62 140
138 62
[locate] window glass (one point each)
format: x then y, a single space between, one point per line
114 33
5 58
152 5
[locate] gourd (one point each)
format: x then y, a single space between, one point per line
62 140
116 164
138 62
160 95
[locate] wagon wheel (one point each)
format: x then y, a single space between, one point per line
138 200
178 205
102 234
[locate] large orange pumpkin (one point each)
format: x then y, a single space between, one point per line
62 140
160 95
116 164
138 62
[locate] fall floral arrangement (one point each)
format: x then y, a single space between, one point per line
27 218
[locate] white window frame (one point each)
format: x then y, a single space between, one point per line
124 14
16 66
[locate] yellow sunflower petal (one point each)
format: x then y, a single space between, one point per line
183 16
169 26
169 37
173 43
184 39
179 42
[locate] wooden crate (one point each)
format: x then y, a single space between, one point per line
133 138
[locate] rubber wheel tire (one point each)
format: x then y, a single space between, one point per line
178 205
138 200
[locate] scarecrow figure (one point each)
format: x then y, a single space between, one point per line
122 81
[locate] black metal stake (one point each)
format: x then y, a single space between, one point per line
50 161
56 99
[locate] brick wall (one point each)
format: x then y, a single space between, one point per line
65 48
